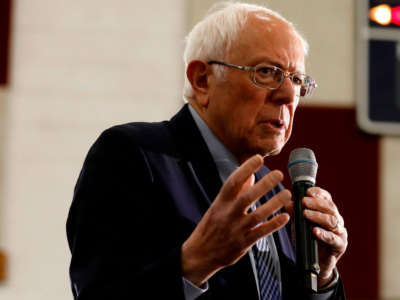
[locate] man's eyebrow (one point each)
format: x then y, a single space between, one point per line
271 62
278 64
274 63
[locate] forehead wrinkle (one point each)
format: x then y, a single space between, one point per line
273 40
288 63
282 58
288 58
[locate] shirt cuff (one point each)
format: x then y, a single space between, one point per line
192 291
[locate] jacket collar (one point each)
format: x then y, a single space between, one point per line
194 152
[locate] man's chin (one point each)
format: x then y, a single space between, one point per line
270 150
264 150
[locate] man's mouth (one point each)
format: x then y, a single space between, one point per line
278 124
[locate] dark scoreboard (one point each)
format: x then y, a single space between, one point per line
378 66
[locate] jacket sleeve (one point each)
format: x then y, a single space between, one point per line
112 227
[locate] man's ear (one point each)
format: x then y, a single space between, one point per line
197 73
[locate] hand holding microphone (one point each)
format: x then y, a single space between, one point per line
317 222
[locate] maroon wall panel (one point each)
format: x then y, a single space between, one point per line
5 17
349 169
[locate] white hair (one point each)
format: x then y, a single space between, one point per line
212 38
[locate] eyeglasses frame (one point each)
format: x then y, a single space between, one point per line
285 74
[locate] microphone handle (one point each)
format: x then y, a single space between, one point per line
306 244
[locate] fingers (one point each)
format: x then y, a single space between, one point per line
229 217
324 203
321 209
237 186
335 241
241 193
269 227
259 215
237 179
289 208
263 186
327 221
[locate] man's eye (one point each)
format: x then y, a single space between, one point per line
297 80
265 71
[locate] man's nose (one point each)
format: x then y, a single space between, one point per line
286 93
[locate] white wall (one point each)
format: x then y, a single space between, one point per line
77 68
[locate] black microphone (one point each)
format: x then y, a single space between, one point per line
303 171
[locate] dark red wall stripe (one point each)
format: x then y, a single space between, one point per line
349 169
5 21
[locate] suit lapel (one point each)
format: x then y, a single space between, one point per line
196 159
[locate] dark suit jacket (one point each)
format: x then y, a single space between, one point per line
142 189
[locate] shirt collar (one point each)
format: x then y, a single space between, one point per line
223 158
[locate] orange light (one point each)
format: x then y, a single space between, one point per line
381 14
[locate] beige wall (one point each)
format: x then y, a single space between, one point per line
3 137
390 218
79 67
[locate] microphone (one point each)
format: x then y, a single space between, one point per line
302 168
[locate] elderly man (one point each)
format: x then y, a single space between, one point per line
185 209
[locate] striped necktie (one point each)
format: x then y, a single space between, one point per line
268 275
268 280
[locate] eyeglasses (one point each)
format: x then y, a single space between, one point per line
271 77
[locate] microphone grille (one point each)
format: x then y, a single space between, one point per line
302 165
